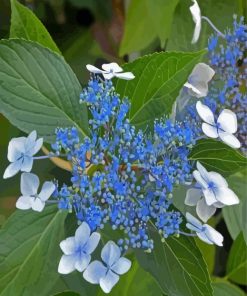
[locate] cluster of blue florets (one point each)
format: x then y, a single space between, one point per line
123 176
228 57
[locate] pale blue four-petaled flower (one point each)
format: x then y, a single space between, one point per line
211 192
78 249
204 231
224 128
20 154
106 274
111 70
30 198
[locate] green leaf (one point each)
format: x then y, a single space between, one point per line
25 24
138 29
178 266
235 216
67 293
183 25
224 288
38 89
29 252
161 17
135 282
208 252
237 261
159 78
217 156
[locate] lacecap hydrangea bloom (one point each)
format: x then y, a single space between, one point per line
112 169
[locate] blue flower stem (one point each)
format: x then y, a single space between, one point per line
213 26
187 234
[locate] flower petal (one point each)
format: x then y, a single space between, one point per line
196 15
210 131
193 195
37 205
67 264
200 179
193 221
230 140
228 121
112 67
16 148
226 196
110 253
209 196
82 234
94 70
202 171
125 75
47 189
12 169
68 246
204 211
213 235
109 281
24 203
108 76
205 113
121 266
94 272
92 243
202 236
37 146
82 262
193 91
27 164
217 179
29 184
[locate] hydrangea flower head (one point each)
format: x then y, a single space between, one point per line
215 192
111 70
198 80
78 249
224 128
20 154
204 231
106 274
30 198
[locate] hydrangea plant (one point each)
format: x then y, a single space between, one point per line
146 134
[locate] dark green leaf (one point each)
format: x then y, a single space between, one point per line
237 261
67 293
178 267
159 78
224 288
38 90
29 252
235 216
217 156
24 24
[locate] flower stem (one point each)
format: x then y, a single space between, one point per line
213 26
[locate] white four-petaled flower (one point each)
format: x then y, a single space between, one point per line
107 274
196 15
198 80
111 70
78 249
204 231
30 198
213 192
20 154
224 128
